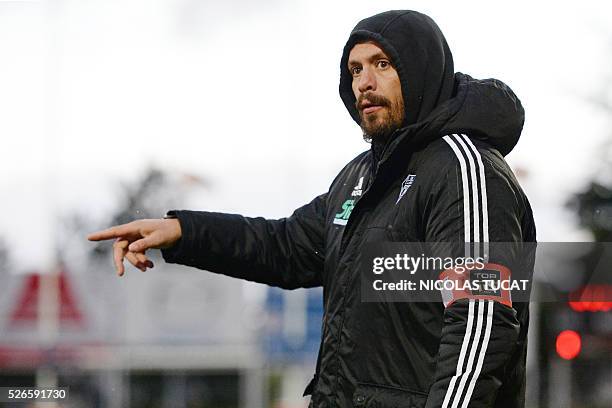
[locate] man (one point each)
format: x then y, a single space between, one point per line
435 173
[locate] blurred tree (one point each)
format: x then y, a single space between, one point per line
594 209
594 205
591 373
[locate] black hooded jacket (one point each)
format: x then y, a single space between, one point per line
450 149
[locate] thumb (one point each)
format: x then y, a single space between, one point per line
150 241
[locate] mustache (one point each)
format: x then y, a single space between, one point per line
372 99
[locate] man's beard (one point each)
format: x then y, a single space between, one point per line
378 126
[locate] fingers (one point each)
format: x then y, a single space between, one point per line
142 259
130 256
139 260
117 231
119 251
151 241
125 234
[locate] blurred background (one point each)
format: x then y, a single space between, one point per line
115 110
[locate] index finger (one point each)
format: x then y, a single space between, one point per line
117 231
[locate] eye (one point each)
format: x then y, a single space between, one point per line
383 64
355 70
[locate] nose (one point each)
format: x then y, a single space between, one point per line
367 81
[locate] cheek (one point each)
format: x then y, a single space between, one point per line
354 87
396 86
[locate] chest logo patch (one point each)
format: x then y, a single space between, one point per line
342 217
347 207
406 184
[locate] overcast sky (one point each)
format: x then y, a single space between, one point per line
244 94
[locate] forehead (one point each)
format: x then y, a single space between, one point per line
365 51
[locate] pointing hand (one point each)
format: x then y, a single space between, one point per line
133 239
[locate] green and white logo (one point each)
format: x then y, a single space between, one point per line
343 216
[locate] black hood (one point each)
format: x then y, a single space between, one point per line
438 102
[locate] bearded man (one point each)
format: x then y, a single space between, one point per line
435 172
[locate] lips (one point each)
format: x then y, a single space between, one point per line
371 109
368 106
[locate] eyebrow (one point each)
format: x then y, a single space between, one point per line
374 57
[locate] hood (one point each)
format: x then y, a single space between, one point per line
440 102
486 109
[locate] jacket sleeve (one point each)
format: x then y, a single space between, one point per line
475 203
288 252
